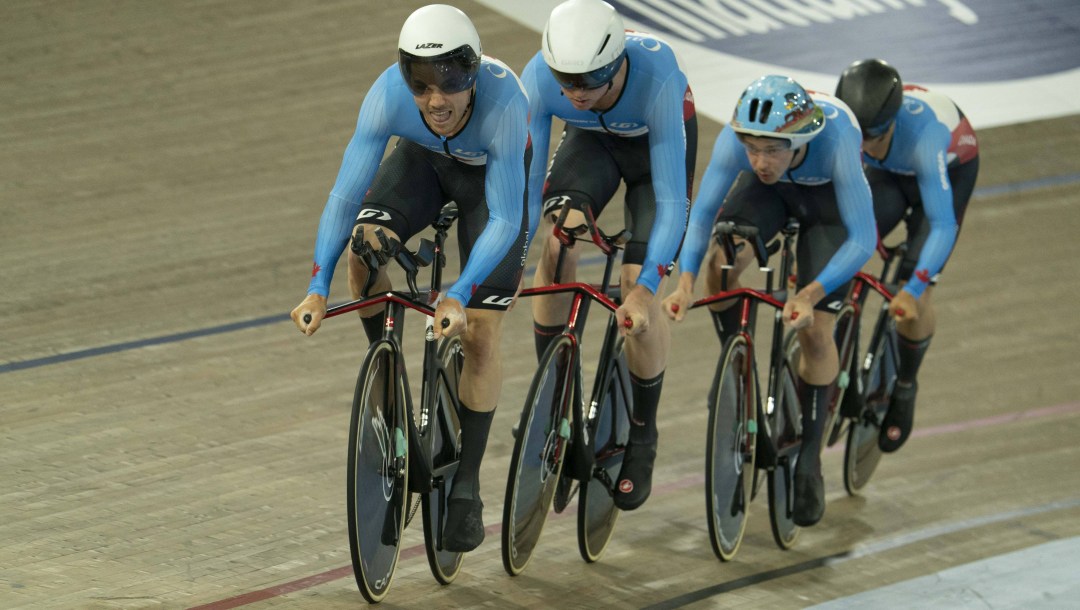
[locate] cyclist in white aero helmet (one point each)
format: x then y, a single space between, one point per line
787 153
630 118
469 143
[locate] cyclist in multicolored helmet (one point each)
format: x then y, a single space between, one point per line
787 154
922 160
629 117
468 143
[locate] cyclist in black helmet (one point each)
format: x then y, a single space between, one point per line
921 159
461 119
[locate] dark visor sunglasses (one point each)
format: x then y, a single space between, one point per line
451 72
876 131
588 80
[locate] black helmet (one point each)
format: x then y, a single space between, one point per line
873 90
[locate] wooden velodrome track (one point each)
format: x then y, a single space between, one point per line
168 440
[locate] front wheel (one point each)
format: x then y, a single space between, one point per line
730 448
543 436
441 433
607 424
862 454
377 471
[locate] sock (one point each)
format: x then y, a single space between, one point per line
373 326
815 406
646 396
474 435
727 322
544 335
911 355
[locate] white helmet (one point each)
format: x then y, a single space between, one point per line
584 43
438 46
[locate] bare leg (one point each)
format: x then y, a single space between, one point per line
358 271
481 375
481 381
552 309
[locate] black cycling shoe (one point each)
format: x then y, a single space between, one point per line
635 477
464 530
809 499
896 426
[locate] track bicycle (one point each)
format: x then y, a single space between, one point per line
561 447
745 433
876 376
396 451
858 414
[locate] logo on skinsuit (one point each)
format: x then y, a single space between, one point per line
498 301
376 214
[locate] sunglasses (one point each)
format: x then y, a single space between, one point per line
451 72
588 80
875 132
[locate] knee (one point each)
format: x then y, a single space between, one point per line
817 341
482 337
718 259
550 250
370 235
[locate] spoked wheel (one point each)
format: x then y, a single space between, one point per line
862 454
377 472
539 451
730 448
441 433
784 429
609 427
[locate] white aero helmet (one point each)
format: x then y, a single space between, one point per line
438 46
584 43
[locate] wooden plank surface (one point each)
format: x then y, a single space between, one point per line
164 166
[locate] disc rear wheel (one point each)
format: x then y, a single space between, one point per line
539 452
609 427
784 431
441 432
862 454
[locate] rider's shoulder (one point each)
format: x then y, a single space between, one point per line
499 80
650 52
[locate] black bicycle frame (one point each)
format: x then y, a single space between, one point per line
422 478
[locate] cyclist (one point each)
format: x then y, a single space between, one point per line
629 116
786 154
921 159
462 123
